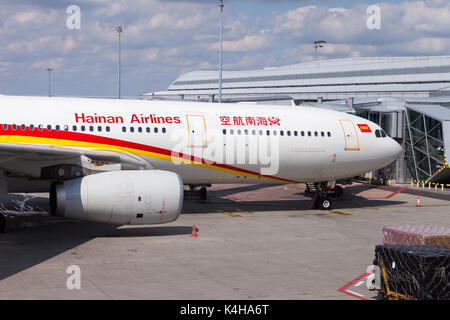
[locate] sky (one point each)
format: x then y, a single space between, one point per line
163 39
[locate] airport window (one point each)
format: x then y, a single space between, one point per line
83 128
163 130
156 130
131 129
99 129
124 129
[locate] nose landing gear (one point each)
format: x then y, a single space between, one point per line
323 193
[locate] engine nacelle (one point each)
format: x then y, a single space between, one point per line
120 197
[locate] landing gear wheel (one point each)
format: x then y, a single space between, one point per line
203 193
325 203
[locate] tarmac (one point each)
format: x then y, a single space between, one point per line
254 242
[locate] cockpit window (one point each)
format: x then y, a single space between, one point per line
383 134
378 133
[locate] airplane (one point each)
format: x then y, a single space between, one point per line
127 161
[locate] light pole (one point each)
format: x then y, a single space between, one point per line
318 44
119 30
221 5
49 71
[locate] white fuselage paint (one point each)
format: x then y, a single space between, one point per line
348 152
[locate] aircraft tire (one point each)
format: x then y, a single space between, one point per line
325 203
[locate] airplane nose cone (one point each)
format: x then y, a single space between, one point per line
396 149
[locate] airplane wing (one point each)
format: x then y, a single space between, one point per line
50 162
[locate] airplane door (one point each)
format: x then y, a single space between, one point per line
350 135
196 131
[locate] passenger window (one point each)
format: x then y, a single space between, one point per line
322 134
124 129
57 127
156 130
329 133
281 133
254 132
5 127
83 128
66 128
268 132
147 129
49 127
316 133
163 130
295 133
41 127
23 127
91 128
131 129
31 127
224 131
99 129
309 133
274 133
231 131
261 132
14 127
140 130
108 129
303 133
74 128
246 132
289 133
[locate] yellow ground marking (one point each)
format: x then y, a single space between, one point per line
234 215
342 213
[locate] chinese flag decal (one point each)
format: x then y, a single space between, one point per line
364 128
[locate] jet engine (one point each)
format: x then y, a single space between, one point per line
120 197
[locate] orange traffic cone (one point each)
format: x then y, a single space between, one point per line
194 232
418 201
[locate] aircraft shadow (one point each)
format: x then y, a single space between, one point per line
32 238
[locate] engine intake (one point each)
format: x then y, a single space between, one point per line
120 197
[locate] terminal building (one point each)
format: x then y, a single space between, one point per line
408 96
